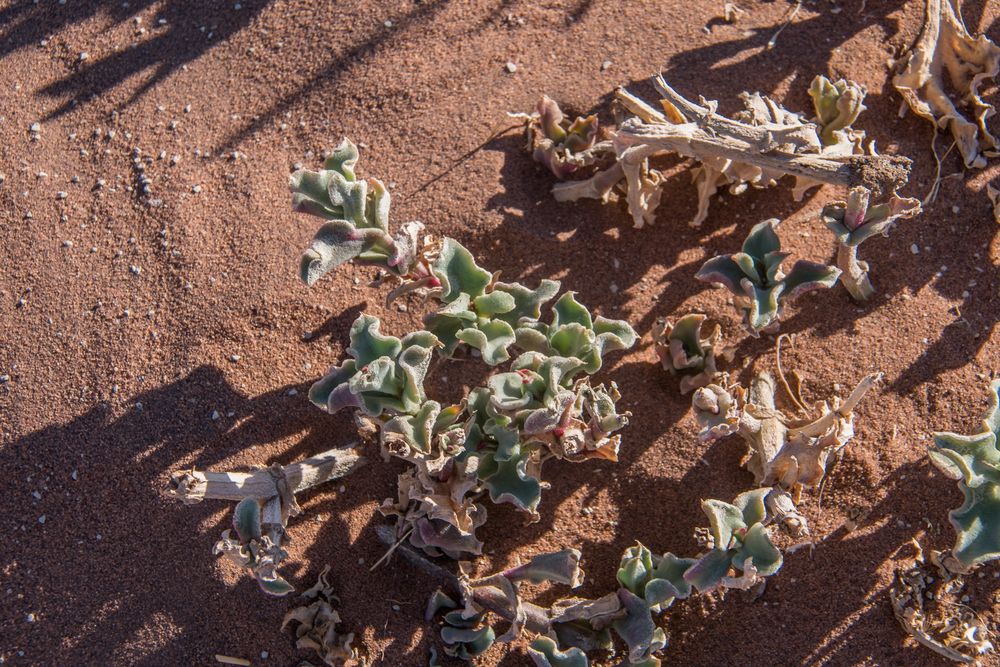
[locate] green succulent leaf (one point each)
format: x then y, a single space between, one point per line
246 520
806 276
637 629
504 472
977 523
466 643
751 505
458 272
368 343
337 242
756 544
706 574
974 461
527 303
343 159
567 310
762 239
724 520
491 338
723 270
636 568
277 586
438 601
494 303
546 653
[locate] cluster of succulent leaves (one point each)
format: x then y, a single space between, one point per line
686 352
561 145
357 219
837 106
755 277
257 547
974 462
497 439
572 629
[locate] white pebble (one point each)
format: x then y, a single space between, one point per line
41 519
36 127
234 358
136 270
215 415
196 189
74 475
915 249
67 243
511 67
83 55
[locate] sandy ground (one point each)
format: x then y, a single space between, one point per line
128 320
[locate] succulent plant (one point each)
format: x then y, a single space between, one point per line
257 546
754 276
685 352
357 215
464 631
385 372
574 333
739 541
837 106
974 462
479 311
562 146
852 222
659 580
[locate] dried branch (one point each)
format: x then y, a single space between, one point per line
193 486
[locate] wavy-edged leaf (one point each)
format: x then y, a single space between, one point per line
724 271
806 276
637 628
494 303
568 310
491 338
337 242
343 159
458 272
545 653
706 574
762 239
527 303
368 343
756 544
977 524
724 520
751 504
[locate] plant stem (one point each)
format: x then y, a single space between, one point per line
854 273
193 486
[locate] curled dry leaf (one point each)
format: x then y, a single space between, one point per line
785 453
953 631
315 626
945 48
